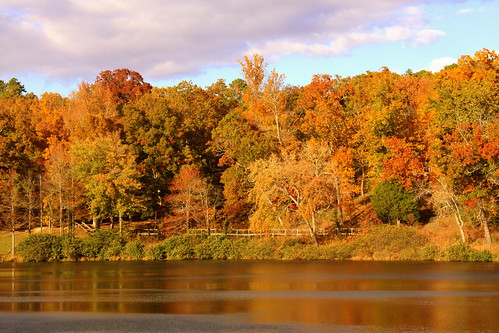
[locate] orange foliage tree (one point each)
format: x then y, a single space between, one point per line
190 201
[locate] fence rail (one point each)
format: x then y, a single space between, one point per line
85 227
277 232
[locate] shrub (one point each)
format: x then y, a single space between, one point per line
392 202
260 249
482 256
389 242
179 247
155 252
135 250
296 251
216 247
339 251
72 247
103 244
462 252
114 249
429 252
40 247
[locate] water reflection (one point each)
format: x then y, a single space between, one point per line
405 296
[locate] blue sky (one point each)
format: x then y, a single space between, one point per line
51 45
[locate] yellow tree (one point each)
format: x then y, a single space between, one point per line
265 98
302 189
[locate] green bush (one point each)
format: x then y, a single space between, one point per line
429 252
482 256
72 247
462 252
135 250
260 249
155 252
216 247
103 244
392 202
179 247
296 251
40 247
339 251
113 250
388 242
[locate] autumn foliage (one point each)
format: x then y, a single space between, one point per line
257 153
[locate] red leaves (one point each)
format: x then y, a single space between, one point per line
403 163
124 84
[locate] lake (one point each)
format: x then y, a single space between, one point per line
250 296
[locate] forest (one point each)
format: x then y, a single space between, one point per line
257 153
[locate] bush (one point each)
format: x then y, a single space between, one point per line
387 242
72 247
40 247
339 251
155 252
429 252
259 249
462 252
103 244
482 256
179 247
392 202
135 250
216 247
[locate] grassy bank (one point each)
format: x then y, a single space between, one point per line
377 243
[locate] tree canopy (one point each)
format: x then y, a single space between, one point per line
257 152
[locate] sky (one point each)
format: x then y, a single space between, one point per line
52 45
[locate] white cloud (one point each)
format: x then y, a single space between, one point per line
470 10
79 38
427 36
438 64
465 11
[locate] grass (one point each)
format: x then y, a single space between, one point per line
6 242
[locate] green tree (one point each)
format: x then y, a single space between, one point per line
11 89
108 171
392 202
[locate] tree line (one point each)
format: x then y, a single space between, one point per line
256 153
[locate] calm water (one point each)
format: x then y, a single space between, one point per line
354 296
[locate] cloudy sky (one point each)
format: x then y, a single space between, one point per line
51 45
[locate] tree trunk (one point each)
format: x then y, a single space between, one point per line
13 251
487 233
484 223
41 205
362 180
313 234
338 203
120 221
313 229
459 219
278 127
61 214
95 222
460 224
13 227
12 213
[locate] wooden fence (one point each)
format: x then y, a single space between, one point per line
277 232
